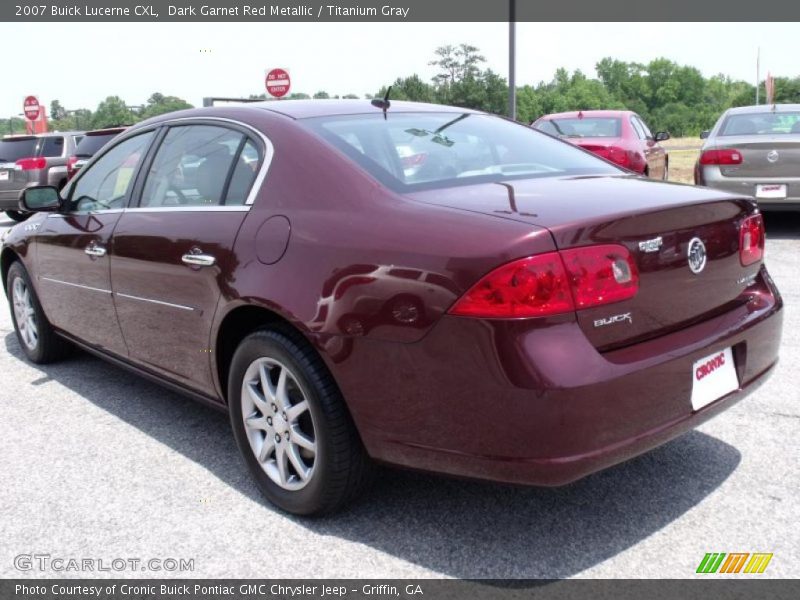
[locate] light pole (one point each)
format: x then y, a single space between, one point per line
512 59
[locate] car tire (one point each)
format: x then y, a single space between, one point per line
39 341
280 431
17 215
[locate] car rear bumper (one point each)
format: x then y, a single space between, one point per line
9 199
713 178
501 401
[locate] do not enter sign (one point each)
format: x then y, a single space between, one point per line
278 83
31 108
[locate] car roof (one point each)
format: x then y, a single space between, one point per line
762 108
303 109
57 133
573 114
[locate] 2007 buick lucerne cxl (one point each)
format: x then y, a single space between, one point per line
410 284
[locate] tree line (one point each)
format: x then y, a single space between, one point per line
670 97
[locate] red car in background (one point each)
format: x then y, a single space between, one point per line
620 136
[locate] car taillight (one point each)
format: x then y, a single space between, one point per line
530 287
726 156
553 283
71 166
29 164
601 274
615 154
751 240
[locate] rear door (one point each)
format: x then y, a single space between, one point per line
73 246
172 252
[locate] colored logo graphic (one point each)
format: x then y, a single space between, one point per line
734 562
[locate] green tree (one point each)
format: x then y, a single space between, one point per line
158 104
321 95
112 112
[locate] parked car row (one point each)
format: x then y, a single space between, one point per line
412 284
44 159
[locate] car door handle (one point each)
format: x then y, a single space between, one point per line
198 259
95 250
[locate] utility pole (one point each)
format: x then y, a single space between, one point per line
512 59
758 71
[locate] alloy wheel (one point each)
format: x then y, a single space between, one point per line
25 314
278 423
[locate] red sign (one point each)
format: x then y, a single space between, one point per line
278 83
32 108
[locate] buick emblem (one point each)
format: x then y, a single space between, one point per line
773 156
697 255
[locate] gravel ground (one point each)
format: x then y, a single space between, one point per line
98 463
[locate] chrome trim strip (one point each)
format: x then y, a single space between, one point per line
269 149
161 302
195 208
77 285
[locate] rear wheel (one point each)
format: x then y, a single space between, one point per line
39 341
292 427
17 215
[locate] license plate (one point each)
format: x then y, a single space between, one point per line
770 190
713 377
3 175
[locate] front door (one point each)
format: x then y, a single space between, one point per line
172 254
73 246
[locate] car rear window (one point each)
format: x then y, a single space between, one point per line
582 127
409 151
53 146
90 144
12 150
766 123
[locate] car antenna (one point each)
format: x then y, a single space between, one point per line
383 103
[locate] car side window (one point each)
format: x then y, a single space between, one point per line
647 133
191 167
53 147
244 174
637 127
105 184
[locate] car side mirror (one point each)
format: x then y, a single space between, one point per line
41 198
704 134
662 136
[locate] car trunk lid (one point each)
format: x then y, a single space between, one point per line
763 156
656 222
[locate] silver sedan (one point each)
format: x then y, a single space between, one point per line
754 150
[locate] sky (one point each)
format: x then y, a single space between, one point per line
193 60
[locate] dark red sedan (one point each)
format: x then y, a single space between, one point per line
620 136
503 306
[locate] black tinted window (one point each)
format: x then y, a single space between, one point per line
13 150
90 144
579 127
409 151
53 146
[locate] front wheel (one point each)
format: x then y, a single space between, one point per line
292 426
39 341
17 215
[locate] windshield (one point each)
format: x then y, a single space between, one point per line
13 150
766 123
582 127
409 151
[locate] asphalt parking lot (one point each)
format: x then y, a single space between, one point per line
98 463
